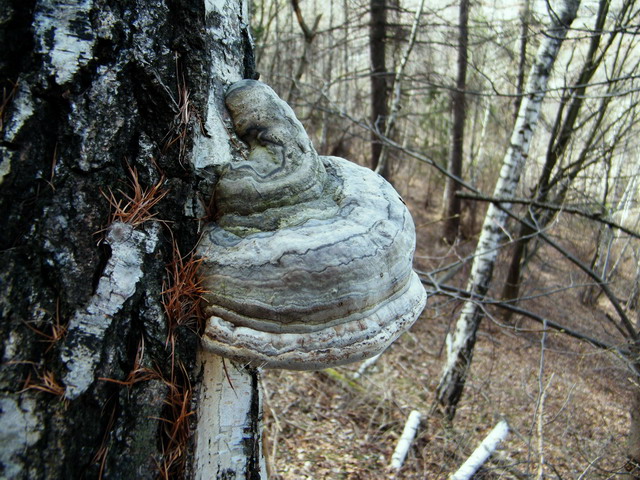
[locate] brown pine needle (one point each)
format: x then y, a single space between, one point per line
183 293
135 209
177 430
138 373
58 330
45 382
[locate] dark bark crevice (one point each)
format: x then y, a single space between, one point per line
75 140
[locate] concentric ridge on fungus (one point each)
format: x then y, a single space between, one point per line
309 261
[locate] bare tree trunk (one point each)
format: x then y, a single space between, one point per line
564 128
452 204
383 167
105 97
379 90
309 37
460 343
522 62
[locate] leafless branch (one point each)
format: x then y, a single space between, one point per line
455 292
595 216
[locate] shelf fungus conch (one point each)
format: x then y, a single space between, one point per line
308 263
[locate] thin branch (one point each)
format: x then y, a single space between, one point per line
596 216
455 292
624 319
309 33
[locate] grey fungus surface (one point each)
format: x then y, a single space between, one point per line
309 261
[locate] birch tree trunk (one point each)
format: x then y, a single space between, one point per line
105 96
461 341
522 56
562 132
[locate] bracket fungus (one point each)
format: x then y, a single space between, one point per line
308 263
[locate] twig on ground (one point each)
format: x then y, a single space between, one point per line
364 366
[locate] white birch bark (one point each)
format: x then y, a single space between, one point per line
461 341
229 431
481 454
406 439
107 91
229 406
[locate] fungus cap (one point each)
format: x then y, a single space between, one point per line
309 261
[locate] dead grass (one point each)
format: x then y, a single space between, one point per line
320 428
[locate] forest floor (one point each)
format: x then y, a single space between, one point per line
325 425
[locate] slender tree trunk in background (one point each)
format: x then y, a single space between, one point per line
96 88
633 444
564 127
309 36
379 90
600 263
452 204
633 441
383 167
460 343
476 163
522 62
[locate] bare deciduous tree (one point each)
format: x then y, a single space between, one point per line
461 341
452 204
379 87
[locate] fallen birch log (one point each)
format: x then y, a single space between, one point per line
406 439
483 452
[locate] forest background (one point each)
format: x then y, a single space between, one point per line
428 94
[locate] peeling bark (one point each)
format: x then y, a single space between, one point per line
99 86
